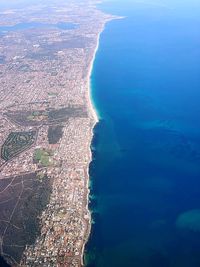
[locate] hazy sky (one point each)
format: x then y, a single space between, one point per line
189 6
20 3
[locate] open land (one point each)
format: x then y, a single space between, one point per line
46 123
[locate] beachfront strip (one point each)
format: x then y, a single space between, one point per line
46 122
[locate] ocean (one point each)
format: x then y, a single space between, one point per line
145 173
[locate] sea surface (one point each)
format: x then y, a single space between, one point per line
3 263
145 174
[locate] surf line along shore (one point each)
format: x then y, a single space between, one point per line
95 117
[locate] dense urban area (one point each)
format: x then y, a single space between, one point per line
46 122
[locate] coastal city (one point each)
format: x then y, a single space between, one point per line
46 125
99 136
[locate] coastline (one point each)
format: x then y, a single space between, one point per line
95 120
61 81
93 113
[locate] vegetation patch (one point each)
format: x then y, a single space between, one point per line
41 176
37 116
16 143
21 205
43 157
48 116
63 114
52 94
54 134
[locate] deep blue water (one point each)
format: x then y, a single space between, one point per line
145 176
3 263
31 25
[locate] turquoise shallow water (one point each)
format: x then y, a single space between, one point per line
146 168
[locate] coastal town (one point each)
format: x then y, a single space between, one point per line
46 128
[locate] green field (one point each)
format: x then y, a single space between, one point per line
43 157
16 143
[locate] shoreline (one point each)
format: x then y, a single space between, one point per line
62 76
93 113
